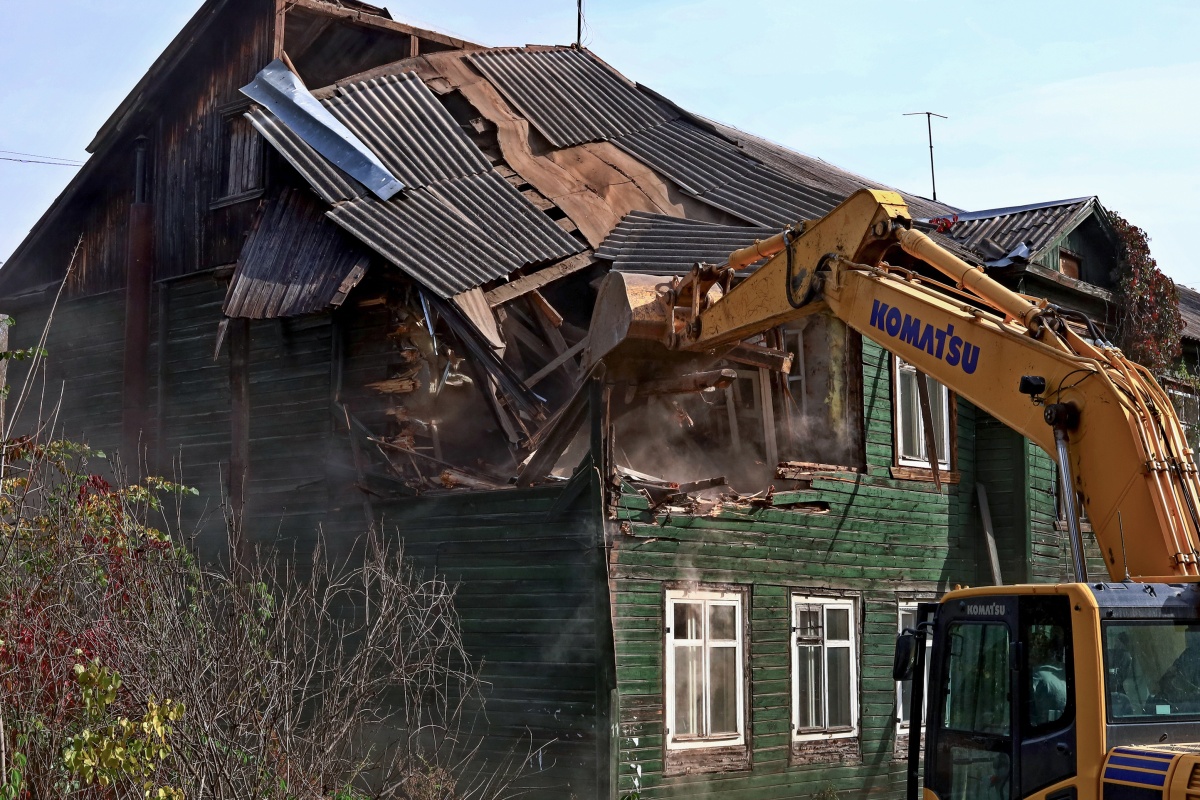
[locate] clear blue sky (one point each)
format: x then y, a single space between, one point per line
1047 100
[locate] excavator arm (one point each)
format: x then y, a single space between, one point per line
1106 421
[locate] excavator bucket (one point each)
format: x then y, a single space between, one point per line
631 321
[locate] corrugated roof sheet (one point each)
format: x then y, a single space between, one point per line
403 123
995 232
327 180
1189 309
572 97
654 244
568 95
821 174
457 224
433 242
295 261
280 91
717 172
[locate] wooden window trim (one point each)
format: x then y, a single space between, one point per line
913 472
228 115
235 199
836 748
717 756
1078 259
824 601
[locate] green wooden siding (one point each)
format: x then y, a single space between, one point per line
534 613
882 538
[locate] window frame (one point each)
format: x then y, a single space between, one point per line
717 595
949 422
232 114
826 602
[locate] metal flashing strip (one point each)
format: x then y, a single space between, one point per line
278 89
457 224
328 181
568 95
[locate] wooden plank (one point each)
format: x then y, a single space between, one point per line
989 534
555 438
566 356
543 277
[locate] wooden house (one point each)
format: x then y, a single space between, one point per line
681 594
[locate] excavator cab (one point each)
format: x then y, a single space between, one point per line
1056 692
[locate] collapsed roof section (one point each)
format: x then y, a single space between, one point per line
455 225
572 98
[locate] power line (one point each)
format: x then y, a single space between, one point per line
40 159
35 161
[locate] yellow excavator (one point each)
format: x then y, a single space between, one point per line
1074 691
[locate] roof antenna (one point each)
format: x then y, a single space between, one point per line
578 24
928 126
1124 557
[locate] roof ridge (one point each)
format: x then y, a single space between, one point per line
1006 211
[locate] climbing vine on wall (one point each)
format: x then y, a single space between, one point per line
1149 325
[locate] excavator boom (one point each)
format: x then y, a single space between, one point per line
1110 426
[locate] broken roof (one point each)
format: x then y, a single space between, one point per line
571 97
456 224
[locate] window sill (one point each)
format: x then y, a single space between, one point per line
843 750
704 760
234 199
824 736
904 473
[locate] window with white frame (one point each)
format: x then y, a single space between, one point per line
911 449
908 621
824 667
704 671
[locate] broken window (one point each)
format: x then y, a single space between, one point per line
911 447
824 668
704 669
241 167
1070 264
793 395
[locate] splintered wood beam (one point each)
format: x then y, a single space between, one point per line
548 311
566 356
763 357
688 384
515 329
555 438
549 321
522 286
